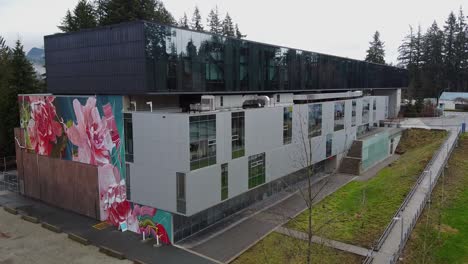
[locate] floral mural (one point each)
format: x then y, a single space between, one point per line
90 130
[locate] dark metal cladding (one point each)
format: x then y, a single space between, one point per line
145 57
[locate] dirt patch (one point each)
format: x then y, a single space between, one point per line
448 229
4 235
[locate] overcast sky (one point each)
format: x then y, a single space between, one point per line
341 28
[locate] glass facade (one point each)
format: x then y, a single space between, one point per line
189 61
224 181
128 132
353 113
287 125
329 145
365 111
202 141
180 192
238 134
339 116
256 170
315 120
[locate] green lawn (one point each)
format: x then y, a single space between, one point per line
359 212
278 249
441 235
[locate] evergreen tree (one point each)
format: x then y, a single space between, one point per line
196 23
21 80
83 16
239 35
4 77
461 52
118 11
432 59
68 23
183 22
376 52
228 27
214 22
449 51
406 50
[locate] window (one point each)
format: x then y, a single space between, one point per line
278 98
365 111
329 145
287 125
128 132
315 120
202 141
374 110
127 181
221 103
180 184
256 170
224 181
238 134
353 113
339 115
214 62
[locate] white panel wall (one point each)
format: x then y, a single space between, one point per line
162 149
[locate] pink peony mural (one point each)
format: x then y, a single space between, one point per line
43 128
91 134
89 130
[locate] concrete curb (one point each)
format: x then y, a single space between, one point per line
10 210
112 253
52 228
79 239
137 261
31 219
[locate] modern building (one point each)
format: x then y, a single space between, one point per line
453 101
170 130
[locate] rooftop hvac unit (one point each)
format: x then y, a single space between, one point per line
207 103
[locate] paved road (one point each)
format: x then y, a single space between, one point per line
128 243
392 243
229 244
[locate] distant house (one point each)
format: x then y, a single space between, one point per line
453 101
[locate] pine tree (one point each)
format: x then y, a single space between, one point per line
228 27
68 23
5 55
196 23
118 11
376 52
21 80
214 22
432 59
449 58
406 50
183 22
461 52
239 35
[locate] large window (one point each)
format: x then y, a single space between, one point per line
224 181
329 145
339 116
353 113
315 120
287 124
238 134
202 141
256 170
128 132
374 110
180 185
365 111
127 181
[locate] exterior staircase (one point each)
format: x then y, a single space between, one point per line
351 163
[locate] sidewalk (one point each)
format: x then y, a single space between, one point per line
127 242
234 240
325 241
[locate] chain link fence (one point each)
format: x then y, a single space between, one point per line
8 174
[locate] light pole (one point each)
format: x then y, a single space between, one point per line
400 218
